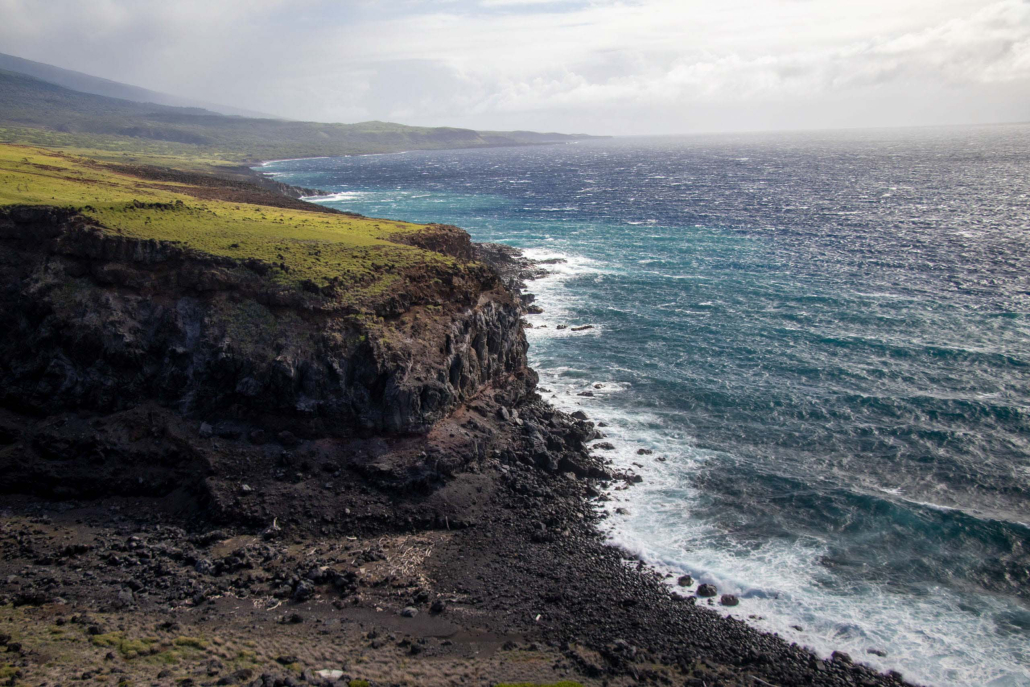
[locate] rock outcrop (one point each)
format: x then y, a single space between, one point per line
101 322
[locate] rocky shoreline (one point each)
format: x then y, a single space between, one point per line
423 518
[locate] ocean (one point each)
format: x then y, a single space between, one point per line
823 338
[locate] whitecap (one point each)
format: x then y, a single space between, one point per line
341 197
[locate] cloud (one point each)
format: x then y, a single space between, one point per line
990 46
614 65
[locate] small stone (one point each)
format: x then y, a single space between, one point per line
644 451
841 657
287 438
206 430
329 674
126 598
685 581
409 612
707 590
729 600
438 607
304 590
246 489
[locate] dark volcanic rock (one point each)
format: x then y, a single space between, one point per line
101 322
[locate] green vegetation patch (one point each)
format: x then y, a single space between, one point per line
122 149
298 247
190 642
563 683
128 648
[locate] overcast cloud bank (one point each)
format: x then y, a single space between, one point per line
651 66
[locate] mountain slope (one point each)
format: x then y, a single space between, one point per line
85 83
36 104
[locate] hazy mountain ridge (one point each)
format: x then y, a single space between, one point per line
95 85
36 103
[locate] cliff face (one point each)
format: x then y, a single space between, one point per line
101 322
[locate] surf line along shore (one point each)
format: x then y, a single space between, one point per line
233 541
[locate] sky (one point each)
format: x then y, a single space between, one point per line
601 67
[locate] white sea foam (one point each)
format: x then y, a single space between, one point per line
341 197
292 159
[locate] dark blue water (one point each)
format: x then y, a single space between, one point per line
825 336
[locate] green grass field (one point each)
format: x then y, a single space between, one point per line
121 149
354 252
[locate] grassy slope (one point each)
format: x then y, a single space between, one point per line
33 111
119 148
314 246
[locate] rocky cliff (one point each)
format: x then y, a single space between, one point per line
101 322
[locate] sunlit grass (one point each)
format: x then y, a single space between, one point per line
299 245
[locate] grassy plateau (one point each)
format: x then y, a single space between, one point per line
301 245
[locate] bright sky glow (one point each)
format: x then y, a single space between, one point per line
626 67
